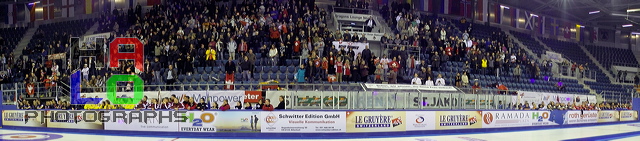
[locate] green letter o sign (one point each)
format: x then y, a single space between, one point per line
112 87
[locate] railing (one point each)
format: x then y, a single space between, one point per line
565 70
610 96
351 10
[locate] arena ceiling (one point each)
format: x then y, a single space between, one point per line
611 12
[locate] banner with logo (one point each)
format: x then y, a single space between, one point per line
376 121
555 57
409 87
92 38
213 96
458 120
65 119
252 96
608 116
310 99
580 117
216 121
303 122
500 119
628 115
17 118
421 120
151 124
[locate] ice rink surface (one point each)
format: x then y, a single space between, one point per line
615 132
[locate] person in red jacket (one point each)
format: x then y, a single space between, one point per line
267 105
225 105
177 105
191 105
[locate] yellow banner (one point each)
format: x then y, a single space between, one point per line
88 6
375 121
458 119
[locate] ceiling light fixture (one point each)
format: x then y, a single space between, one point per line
594 12
627 25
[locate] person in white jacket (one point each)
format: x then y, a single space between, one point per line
416 80
232 46
429 82
440 80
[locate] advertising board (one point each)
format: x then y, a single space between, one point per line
303 122
499 119
216 121
151 124
628 115
458 120
580 117
310 99
421 120
608 116
65 119
376 121
17 118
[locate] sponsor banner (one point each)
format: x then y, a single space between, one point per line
421 120
409 87
538 97
458 120
215 121
303 122
310 99
358 47
57 56
252 96
17 118
608 116
65 119
92 38
351 17
525 96
580 117
499 119
555 57
376 121
152 124
212 96
455 101
628 115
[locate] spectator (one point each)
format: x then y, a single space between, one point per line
393 77
300 75
416 80
429 82
465 79
281 104
225 105
440 81
246 66
267 105
560 86
273 55
171 75
517 72
475 89
230 69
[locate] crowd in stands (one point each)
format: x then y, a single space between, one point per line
562 106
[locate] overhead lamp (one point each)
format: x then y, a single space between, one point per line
627 25
505 7
594 12
633 10
533 15
635 33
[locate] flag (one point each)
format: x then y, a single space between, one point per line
153 2
514 17
594 34
466 8
497 13
11 13
47 9
578 32
482 10
68 9
446 7
541 24
567 30
31 16
88 6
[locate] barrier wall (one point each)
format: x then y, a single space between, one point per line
263 122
